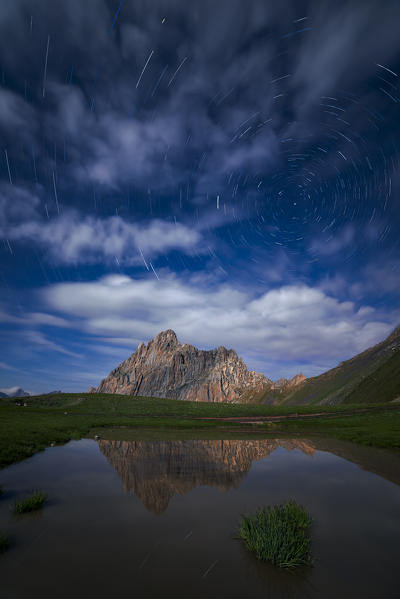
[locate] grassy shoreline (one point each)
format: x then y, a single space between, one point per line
56 419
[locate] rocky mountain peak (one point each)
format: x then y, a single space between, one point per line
284 385
167 337
297 379
165 368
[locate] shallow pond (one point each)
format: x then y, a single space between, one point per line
157 519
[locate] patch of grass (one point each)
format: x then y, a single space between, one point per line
3 543
30 504
278 534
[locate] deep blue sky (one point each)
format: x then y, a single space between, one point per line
226 169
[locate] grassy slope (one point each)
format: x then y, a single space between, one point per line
382 385
343 382
23 431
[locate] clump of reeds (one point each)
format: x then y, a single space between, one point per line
278 534
30 504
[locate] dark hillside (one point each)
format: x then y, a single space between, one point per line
343 382
382 385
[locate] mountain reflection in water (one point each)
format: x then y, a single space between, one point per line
155 470
175 540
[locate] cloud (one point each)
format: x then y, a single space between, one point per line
158 135
16 205
292 323
37 338
33 319
334 243
73 239
5 366
219 118
342 46
16 116
9 390
378 279
375 279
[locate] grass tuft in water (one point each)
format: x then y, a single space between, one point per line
31 503
3 543
278 534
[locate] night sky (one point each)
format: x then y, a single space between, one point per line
226 169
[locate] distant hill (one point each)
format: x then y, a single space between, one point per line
372 377
15 392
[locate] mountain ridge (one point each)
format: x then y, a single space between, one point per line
166 368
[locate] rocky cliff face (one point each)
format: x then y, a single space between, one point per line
165 368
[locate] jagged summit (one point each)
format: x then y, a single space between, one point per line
166 368
168 336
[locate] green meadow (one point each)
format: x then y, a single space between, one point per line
55 419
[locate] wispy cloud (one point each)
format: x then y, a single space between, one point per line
335 242
72 238
39 339
5 366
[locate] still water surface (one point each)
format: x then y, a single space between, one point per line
157 519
